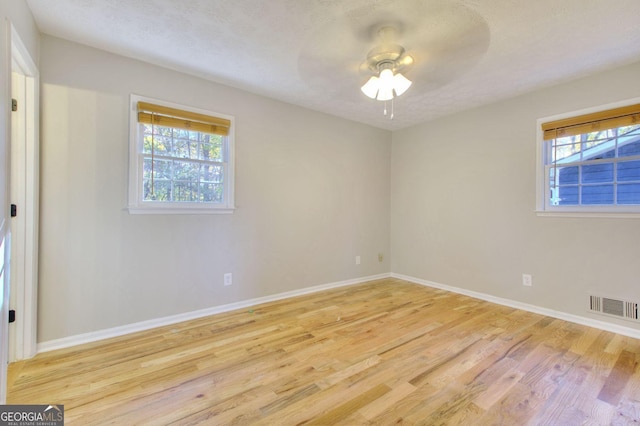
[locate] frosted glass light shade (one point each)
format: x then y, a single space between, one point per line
386 77
385 94
400 84
371 87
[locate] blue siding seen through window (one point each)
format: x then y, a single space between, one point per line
602 183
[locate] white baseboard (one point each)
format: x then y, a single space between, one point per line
589 322
79 339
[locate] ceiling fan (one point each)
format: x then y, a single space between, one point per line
387 60
407 48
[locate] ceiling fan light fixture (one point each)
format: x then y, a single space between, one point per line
383 88
386 62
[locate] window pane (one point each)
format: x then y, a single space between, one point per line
185 171
161 139
629 148
212 174
629 129
598 145
211 192
162 146
161 169
562 148
192 182
186 176
600 152
185 190
181 134
159 191
568 175
628 170
629 193
185 148
211 148
568 195
597 194
597 173
146 170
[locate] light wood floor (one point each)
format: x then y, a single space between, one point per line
385 352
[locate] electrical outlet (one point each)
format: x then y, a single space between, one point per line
527 280
228 278
380 257
357 260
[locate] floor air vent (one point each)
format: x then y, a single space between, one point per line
614 307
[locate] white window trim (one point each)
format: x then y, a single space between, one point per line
575 211
137 206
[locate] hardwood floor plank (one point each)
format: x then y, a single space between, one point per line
622 371
378 353
386 401
466 415
521 402
344 410
498 389
347 372
289 399
441 359
582 343
447 403
400 412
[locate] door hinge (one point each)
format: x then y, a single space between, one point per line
14 210
12 316
14 104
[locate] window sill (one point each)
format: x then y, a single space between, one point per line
180 210
592 214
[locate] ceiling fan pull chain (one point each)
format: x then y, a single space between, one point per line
391 117
385 108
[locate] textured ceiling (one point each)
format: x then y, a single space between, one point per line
311 52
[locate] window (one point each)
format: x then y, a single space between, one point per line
590 162
181 159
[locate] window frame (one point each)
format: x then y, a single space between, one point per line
136 159
543 207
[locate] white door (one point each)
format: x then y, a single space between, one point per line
17 224
23 192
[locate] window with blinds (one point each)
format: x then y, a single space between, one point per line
592 161
181 159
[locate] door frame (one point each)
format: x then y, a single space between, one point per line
24 262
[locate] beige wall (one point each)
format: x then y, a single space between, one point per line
312 192
450 201
463 201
